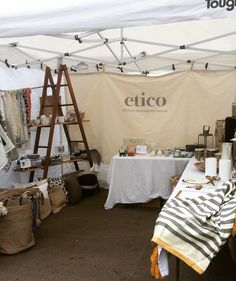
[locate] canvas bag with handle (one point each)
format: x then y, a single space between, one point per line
16 227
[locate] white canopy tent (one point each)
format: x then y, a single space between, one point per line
144 37
126 37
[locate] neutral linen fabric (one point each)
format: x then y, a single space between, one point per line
14 108
193 98
141 178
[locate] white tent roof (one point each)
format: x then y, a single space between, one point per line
125 36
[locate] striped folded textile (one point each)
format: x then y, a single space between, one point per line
195 229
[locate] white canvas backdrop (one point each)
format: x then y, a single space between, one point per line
193 98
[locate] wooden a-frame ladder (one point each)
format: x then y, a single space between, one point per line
57 111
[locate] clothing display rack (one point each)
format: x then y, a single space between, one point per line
57 111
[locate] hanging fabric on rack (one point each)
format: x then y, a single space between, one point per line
20 96
3 125
27 99
3 157
5 147
16 123
6 142
2 122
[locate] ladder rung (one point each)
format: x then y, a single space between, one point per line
50 105
54 86
77 141
66 104
42 146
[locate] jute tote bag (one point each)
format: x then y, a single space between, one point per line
16 232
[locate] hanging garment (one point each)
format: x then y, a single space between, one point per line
8 146
5 140
20 96
27 98
2 123
16 124
3 156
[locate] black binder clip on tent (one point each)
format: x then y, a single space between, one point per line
173 67
120 68
206 66
73 69
77 38
190 62
98 66
6 63
27 64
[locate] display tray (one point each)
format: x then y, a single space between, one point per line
201 166
195 181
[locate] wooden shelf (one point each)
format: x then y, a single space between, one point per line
63 123
33 168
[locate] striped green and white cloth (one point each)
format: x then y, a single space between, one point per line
195 229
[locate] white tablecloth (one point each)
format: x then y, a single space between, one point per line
139 179
192 173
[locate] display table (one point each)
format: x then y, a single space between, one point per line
191 172
139 179
194 223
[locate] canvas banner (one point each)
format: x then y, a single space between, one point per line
169 110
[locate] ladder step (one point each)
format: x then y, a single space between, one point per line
42 146
77 141
50 105
67 104
54 86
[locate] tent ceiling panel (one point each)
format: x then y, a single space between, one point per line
122 35
58 16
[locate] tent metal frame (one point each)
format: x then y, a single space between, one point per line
125 59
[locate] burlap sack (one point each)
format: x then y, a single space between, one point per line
17 192
31 193
16 229
45 208
58 199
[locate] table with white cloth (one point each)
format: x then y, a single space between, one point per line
139 179
194 223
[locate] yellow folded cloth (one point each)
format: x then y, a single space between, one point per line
155 271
